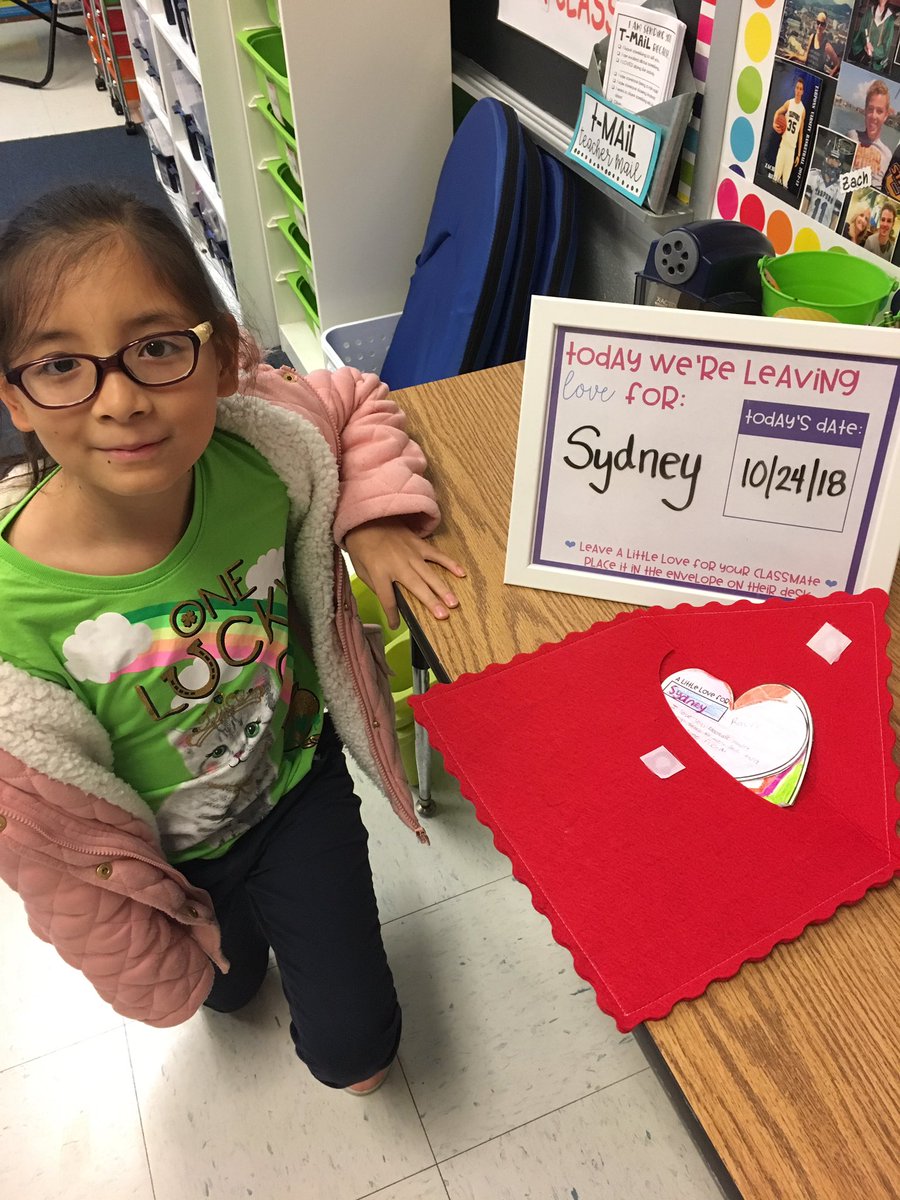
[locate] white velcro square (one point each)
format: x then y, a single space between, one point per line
829 643
662 762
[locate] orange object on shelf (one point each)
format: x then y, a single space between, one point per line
111 52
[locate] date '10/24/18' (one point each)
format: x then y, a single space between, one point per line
809 480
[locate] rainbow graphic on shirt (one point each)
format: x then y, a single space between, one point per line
183 652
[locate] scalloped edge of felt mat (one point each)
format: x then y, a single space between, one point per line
661 1006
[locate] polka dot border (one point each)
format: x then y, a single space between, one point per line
743 139
727 199
758 37
780 231
753 212
749 89
807 239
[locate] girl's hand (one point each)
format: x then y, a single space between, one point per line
387 551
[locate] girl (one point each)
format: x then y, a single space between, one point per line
819 54
859 224
177 620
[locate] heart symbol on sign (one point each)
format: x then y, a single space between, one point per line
831 583
570 544
762 739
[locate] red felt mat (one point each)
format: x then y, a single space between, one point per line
660 886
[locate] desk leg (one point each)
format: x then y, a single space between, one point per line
421 680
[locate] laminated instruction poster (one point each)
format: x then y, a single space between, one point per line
812 146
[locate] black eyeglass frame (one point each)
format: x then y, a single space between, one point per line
198 336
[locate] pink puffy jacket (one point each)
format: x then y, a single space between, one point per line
78 844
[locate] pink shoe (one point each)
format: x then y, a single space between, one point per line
367 1086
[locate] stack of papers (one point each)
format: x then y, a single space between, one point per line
644 52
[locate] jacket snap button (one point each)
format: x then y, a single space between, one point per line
192 912
2 824
104 870
376 724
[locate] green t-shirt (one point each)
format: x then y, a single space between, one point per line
212 704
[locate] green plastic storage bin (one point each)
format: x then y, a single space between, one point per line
266 50
305 293
274 14
293 193
407 739
299 245
287 143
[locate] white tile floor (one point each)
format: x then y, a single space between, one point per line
511 1084
70 101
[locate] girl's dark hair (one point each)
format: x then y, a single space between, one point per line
66 231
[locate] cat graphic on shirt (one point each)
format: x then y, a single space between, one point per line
228 755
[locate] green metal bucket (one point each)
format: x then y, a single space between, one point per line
819 285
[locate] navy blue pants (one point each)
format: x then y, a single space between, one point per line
300 882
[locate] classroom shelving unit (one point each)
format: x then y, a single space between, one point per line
209 185
370 96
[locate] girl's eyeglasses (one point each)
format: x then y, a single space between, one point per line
65 380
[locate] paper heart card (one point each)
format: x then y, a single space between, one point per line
762 739
671 838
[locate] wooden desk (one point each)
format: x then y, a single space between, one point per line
793 1066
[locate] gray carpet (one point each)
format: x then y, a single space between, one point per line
32 166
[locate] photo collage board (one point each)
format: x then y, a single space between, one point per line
812 143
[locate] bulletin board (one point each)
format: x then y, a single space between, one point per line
811 154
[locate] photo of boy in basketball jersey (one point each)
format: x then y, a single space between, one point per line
788 123
792 115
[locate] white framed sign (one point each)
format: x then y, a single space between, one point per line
666 455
